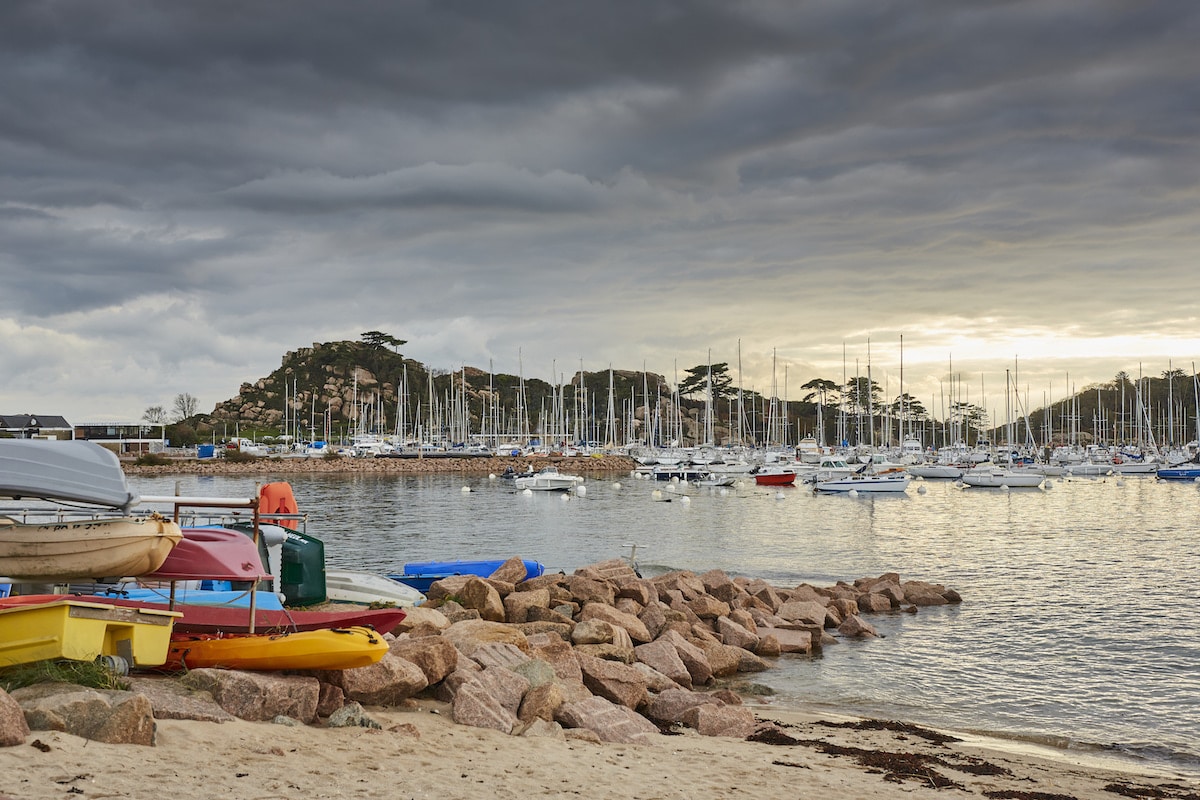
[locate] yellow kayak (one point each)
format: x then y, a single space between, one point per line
327 648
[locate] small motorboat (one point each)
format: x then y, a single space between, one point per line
330 648
548 479
367 588
775 476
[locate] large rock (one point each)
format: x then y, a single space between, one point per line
688 584
561 657
637 589
721 720
662 656
668 707
259 696
115 717
613 681
435 656
723 659
736 635
468 635
708 607
871 602
856 626
542 702
480 595
632 625
789 640
13 728
692 657
422 617
810 612
587 590
384 683
476 706
593 631
518 604
499 654
765 592
610 722
511 571
170 699
612 570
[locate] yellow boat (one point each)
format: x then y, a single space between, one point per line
327 648
80 630
99 548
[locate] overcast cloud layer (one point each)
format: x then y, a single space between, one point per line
190 190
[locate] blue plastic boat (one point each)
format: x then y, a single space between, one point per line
422 574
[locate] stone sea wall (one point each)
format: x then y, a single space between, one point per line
399 466
602 654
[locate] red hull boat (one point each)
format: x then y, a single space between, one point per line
784 477
222 619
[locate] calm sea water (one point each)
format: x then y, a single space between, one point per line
1081 605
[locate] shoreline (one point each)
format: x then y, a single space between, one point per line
420 752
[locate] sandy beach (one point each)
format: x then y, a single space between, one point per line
421 753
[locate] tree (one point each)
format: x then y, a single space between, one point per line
912 407
697 380
822 388
379 340
184 406
155 415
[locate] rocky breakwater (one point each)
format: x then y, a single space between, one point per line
462 466
601 654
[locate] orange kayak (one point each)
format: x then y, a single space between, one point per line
328 648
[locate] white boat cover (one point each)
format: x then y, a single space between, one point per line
76 471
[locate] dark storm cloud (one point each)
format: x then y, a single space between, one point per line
282 172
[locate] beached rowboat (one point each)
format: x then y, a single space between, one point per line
98 548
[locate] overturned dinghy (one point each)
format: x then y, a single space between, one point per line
97 548
76 471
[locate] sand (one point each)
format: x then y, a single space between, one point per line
421 753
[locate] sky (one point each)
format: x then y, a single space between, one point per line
188 191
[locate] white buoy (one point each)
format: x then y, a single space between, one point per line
674 479
528 492
780 496
671 488
565 496
581 490
1120 482
1047 485
1004 487
616 484
853 493
921 490
491 476
465 490
685 499
723 491
657 494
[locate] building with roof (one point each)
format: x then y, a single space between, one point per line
35 426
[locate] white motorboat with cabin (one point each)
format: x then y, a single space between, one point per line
866 481
548 479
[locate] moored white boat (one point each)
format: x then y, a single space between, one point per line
935 471
997 477
548 479
866 482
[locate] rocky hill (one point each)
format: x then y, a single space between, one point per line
337 382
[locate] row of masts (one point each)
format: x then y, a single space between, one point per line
656 417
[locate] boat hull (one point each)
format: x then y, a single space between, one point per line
365 588
223 619
1179 473
1003 479
775 478
100 548
332 648
422 574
